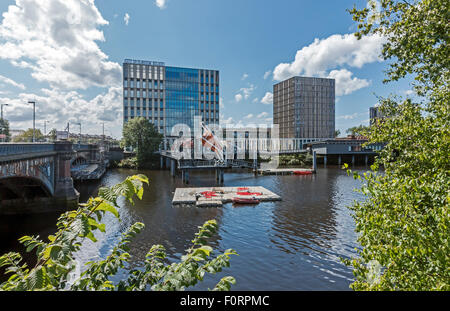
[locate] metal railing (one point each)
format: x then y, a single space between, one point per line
8 149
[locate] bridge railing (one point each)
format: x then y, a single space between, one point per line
8 149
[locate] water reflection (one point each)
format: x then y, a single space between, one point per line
294 244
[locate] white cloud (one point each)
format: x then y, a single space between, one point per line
11 82
221 105
226 121
267 99
330 53
126 18
247 91
350 116
255 100
161 4
59 107
262 115
244 76
267 74
249 116
244 93
345 84
57 40
336 50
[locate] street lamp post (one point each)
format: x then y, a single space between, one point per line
2 109
34 119
3 139
79 141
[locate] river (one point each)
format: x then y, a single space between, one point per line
293 244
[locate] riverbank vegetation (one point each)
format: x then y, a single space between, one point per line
300 160
56 266
5 135
143 137
403 225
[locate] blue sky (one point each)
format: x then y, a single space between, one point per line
68 55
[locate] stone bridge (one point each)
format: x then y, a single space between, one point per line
36 177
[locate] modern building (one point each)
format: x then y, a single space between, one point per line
304 108
350 149
167 96
375 114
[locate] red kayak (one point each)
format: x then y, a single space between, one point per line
245 200
302 172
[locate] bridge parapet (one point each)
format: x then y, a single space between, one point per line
29 165
10 149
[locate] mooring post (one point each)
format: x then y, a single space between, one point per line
339 160
367 159
172 168
325 161
161 162
353 159
314 161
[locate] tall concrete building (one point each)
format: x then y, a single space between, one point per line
167 96
304 108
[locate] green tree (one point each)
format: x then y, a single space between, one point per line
404 224
337 133
4 130
52 135
56 263
143 136
356 130
27 136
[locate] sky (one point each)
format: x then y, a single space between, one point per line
67 55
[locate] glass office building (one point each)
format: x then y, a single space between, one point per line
304 107
167 96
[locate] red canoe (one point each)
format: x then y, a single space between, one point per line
245 200
302 172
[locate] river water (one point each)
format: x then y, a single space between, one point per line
293 244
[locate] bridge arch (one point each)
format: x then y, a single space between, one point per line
78 160
23 187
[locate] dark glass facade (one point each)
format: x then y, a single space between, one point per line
167 96
182 96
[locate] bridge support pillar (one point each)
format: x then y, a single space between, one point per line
219 175
172 168
185 176
63 179
167 162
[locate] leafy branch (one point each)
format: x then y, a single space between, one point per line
56 262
